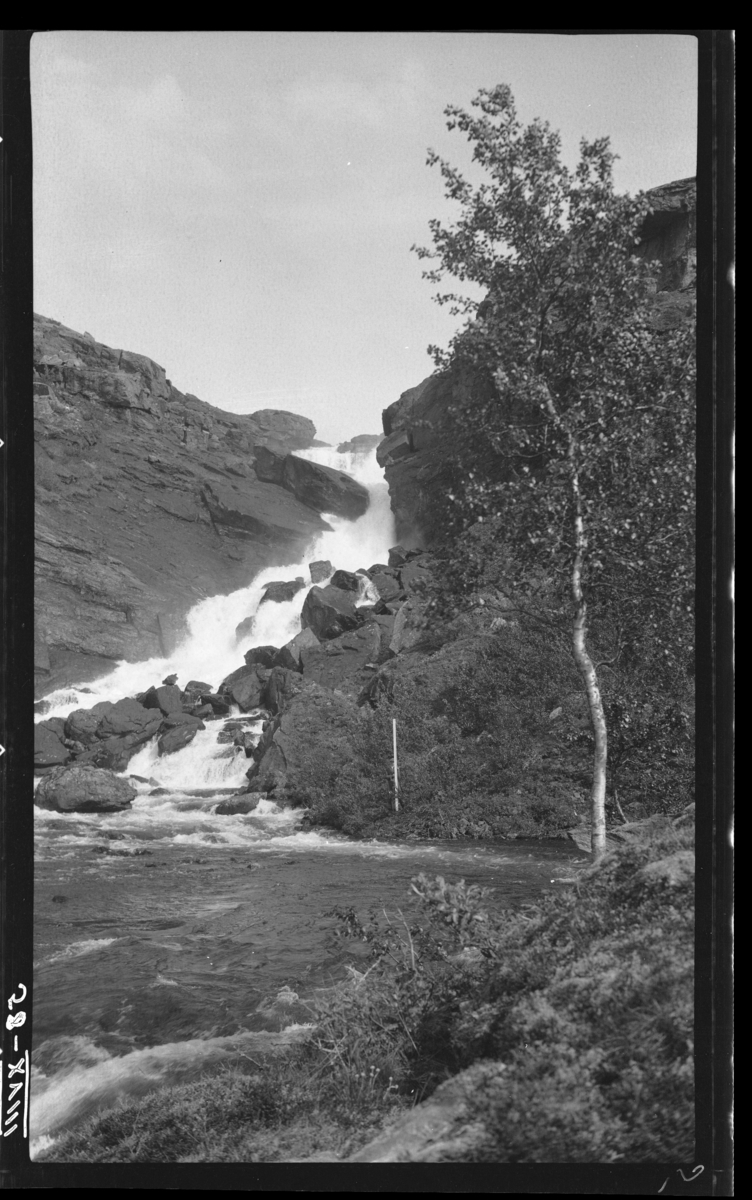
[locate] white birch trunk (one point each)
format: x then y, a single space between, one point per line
583 660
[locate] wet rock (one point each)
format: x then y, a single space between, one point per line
397 556
244 629
83 723
239 804
202 710
129 717
246 741
196 687
348 581
263 655
218 704
329 612
179 731
281 591
170 680
167 698
324 489
320 570
245 687
49 747
83 789
289 655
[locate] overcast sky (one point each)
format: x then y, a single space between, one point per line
241 206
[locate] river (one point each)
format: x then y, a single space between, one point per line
169 938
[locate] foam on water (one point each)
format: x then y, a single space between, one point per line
79 1091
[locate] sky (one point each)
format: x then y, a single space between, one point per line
240 206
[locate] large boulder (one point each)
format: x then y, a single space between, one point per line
179 731
168 699
283 684
324 489
320 570
83 789
329 612
348 581
340 663
83 723
409 626
112 753
387 584
305 742
281 591
241 804
263 655
129 717
245 687
49 746
289 655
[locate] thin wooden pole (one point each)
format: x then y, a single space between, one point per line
396 773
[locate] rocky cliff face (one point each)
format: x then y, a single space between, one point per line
416 449
147 501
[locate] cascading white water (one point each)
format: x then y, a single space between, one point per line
211 649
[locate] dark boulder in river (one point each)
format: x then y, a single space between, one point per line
238 804
329 612
83 789
179 730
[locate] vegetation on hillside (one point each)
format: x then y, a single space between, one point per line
587 461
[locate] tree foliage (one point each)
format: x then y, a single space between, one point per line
587 436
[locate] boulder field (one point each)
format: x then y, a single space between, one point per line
149 500
311 692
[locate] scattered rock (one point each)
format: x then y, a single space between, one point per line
329 612
289 655
280 592
180 730
167 698
320 570
348 581
263 655
245 687
129 717
239 804
83 789
83 723
49 747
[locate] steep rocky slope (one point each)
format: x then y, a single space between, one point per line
148 500
417 443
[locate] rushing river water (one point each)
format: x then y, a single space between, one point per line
169 938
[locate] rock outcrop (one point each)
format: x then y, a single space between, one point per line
147 501
417 447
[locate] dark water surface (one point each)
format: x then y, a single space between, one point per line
164 935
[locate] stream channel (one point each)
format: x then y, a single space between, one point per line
169 938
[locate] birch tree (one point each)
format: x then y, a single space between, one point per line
588 433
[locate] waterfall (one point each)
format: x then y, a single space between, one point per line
211 650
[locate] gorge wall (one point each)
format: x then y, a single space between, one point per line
148 500
417 448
